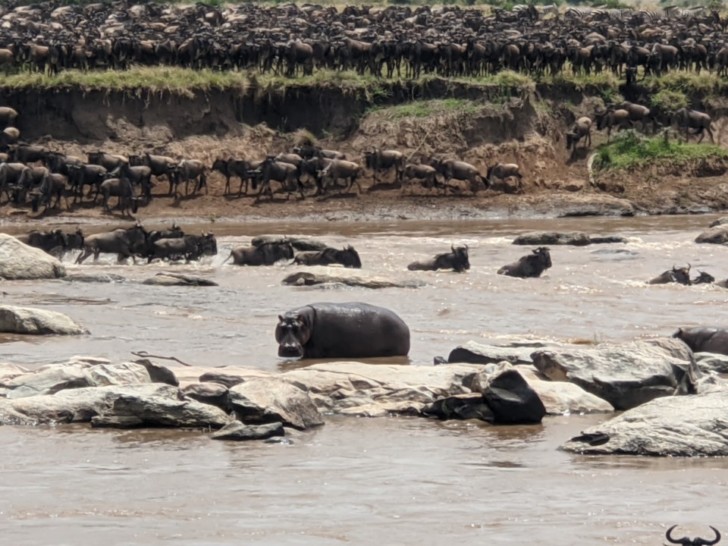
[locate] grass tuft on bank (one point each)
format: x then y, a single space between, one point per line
630 149
427 108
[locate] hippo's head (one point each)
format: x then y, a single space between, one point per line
292 333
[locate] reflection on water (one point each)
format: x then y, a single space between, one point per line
362 481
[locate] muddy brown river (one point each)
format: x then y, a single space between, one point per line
365 481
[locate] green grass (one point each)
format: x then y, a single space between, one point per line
687 82
427 108
629 150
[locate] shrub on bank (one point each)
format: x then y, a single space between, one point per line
630 149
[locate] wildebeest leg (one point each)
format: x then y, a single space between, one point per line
85 253
710 132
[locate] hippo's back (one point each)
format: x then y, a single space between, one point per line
356 330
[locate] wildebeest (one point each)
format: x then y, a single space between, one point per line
159 164
172 233
53 185
580 130
426 174
52 242
685 541
460 170
383 161
531 265
679 275
230 168
285 173
187 247
264 254
703 278
612 118
190 169
457 259
340 168
692 119
503 171
124 243
123 190
107 161
348 257
341 330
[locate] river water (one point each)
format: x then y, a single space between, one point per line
364 481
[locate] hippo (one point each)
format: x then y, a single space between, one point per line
341 330
704 340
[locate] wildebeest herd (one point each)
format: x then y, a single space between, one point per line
385 41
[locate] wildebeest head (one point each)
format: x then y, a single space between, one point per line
75 240
460 259
685 541
544 256
208 244
348 257
681 275
703 278
292 333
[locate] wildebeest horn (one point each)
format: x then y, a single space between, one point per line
688 267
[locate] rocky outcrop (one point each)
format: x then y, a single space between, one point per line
177 279
19 261
27 320
304 278
560 398
712 362
677 426
240 432
574 238
723 220
716 235
269 400
624 375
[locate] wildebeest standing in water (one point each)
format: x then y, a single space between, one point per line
264 254
529 266
457 259
679 275
341 330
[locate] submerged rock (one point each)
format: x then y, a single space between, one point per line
19 261
176 279
677 426
240 432
717 235
31 321
304 278
99 278
625 375
574 238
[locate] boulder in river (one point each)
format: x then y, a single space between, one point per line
723 220
712 362
716 235
479 353
31 321
305 278
241 432
625 375
19 261
177 279
511 399
676 426
573 238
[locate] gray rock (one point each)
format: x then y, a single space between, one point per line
479 353
116 421
719 222
267 400
240 432
27 320
176 279
296 242
57 377
69 405
305 278
209 393
512 400
624 375
717 235
712 362
676 426
560 398
100 278
19 261
552 238
229 380
167 407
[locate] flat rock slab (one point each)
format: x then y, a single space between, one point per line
304 278
473 352
240 432
31 321
560 398
712 362
574 238
676 426
19 261
176 279
101 278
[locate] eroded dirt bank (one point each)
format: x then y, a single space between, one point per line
479 124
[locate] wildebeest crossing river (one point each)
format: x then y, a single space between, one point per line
362 481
